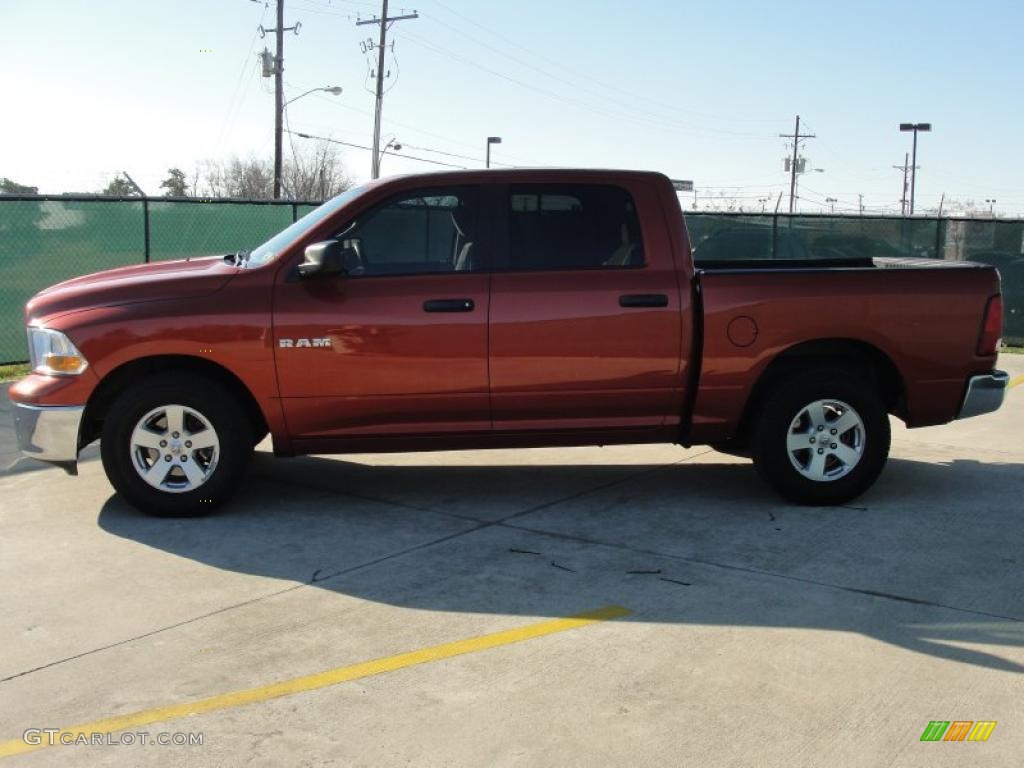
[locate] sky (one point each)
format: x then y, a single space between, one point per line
698 90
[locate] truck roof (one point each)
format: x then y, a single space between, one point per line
532 174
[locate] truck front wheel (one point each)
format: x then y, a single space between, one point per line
822 437
175 445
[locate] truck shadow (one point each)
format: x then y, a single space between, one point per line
929 560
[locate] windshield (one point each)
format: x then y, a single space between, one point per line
270 249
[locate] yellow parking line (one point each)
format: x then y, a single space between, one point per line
322 679
1016 381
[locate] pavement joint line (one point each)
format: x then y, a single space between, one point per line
323 679
761 572
480 525
242 604
602 487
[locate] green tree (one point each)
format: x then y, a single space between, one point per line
120 186
176 183
10 187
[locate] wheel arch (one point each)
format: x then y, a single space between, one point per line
115 381
832 352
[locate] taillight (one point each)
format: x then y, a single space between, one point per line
991 328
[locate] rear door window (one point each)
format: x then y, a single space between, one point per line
572 226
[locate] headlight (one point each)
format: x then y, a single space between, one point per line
51 352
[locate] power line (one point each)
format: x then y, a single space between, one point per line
453 154
372 149
633 117
409 127
560 66
232 108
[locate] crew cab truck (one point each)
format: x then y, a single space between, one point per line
490 309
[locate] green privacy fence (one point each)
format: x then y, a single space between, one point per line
46 239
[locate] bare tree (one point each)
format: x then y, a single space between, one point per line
251 178
316 174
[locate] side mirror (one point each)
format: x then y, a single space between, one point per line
323 259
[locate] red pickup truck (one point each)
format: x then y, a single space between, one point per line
499 309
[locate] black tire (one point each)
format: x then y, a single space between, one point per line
199 398
785 420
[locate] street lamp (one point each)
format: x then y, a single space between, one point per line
915 127
991 207
491 140
394 144
334 90
832 202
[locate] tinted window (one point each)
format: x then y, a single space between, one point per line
576 226
425 231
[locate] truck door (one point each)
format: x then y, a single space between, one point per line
398 345
586 310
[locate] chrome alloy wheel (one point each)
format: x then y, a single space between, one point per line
826 440
174 448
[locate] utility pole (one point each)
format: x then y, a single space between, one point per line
795 136
905 168
383 22
278 97
278 71
860 203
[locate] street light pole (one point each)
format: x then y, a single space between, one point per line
394 144
491 140
915 127
991 206
334 90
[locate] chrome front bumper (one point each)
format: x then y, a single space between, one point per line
984 394
49 433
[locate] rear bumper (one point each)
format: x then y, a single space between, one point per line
984 394
49 433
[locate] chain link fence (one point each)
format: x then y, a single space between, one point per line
46 239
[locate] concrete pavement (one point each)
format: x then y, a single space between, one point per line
759 634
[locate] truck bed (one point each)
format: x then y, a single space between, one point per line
923 313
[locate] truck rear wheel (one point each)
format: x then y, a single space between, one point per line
822 437
175 445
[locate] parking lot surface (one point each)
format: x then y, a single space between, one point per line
417 610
